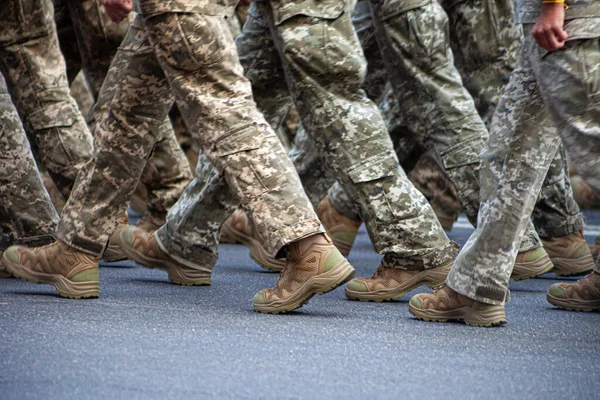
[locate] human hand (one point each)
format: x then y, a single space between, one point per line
117 10
548 30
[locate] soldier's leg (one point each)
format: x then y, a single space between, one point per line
570 83
34 69
485 41
27 215
128 128
249 156
522 144
167 171
97 37
325 68
557 213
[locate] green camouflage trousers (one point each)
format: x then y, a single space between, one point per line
547 90
190 58
26 211
34 69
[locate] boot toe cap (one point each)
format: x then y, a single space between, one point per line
557 290
356 285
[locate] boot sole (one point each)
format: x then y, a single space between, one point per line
573 305
434 278
64 287
573 267
257 252
320 284
533 269
176 274
494 316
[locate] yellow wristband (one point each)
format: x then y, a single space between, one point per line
556 2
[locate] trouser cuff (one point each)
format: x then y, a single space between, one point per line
564 227
31 241
192 256
436 258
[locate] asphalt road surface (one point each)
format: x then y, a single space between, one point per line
146 338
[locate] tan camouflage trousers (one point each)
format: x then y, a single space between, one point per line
27 215
189 58
34 69
319 60
546 91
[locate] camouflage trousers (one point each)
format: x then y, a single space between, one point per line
91 41
88 39
26 211
189 58
34 69
453 125
547 90
319 60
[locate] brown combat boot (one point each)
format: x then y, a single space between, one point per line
392 283
143 248
239 229
530 264
73 272
445 305
583 295
3 271
318 269
570 254
340 228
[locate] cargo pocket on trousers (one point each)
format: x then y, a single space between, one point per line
247 164
54 116
323 9
377 181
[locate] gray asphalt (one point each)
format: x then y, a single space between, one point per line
146 338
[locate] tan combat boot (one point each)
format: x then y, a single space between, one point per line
392 283
340 228
143 248
445 305
239 229
570 254
530 264
73 272
583 295
3 271
318 269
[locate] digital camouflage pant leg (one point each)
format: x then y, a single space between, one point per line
34 69
324 67
546 91
426 83
26 211
363 154
207 82
485 40
85 23
167 171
